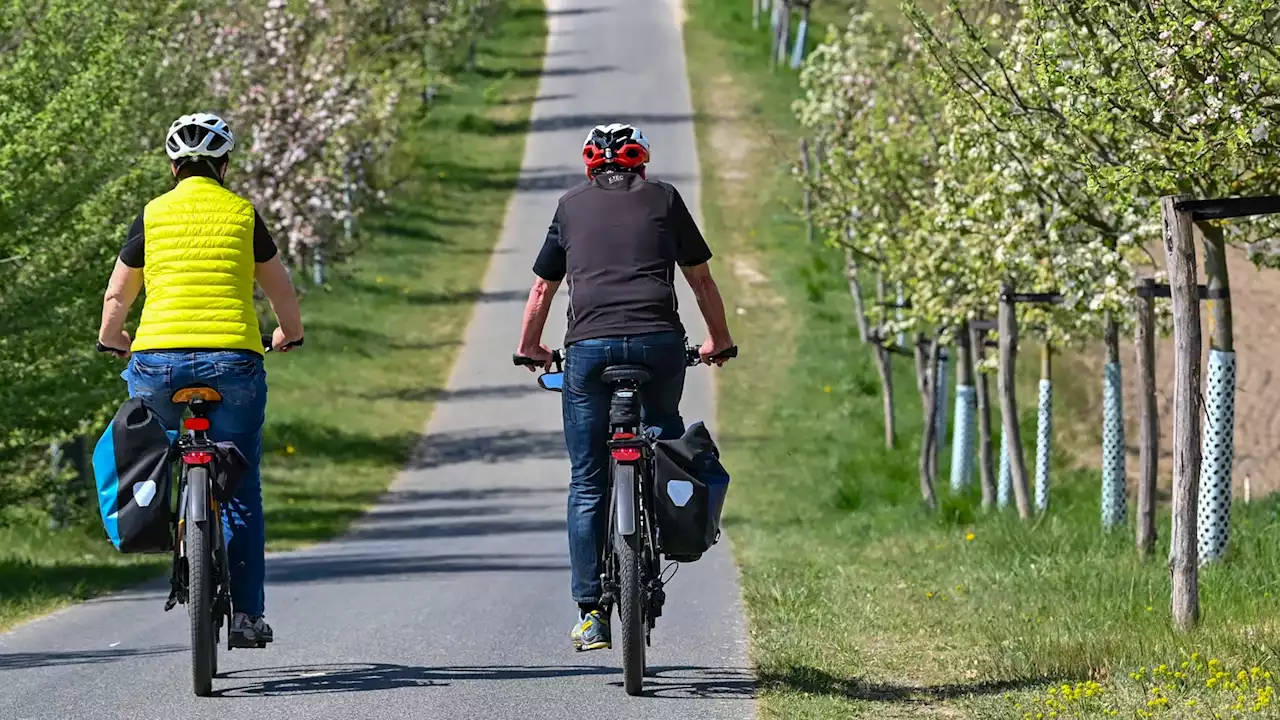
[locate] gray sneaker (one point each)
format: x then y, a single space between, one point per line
591 632
247 632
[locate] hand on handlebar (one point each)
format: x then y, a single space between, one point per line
541 356
118 346
710 349
281 342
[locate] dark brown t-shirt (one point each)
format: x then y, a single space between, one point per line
617 240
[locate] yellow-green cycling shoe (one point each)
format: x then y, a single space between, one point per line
591 632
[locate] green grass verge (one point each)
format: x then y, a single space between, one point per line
860 603
346 410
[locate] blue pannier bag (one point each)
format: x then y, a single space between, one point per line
690 486
133 468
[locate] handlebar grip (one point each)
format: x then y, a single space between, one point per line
108 349
522 361
694 357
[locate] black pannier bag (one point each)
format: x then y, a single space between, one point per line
689 490
229 468
133 469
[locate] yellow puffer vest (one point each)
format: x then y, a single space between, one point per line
198 270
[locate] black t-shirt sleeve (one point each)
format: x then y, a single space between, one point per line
551 264
264 247
133 253
691 248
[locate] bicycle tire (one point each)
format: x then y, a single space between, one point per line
631 620
200 585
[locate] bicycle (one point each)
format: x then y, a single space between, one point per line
201 575
633 577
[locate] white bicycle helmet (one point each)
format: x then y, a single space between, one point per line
202 135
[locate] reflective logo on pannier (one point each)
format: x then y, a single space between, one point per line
680 491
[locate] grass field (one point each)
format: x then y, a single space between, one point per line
860 603
346 410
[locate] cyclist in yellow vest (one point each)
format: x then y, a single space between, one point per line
197 251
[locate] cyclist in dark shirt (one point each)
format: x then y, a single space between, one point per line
616 241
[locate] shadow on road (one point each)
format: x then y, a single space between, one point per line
820 682
309 569
438 394
684 682
23 661
451 448
666 682
477 528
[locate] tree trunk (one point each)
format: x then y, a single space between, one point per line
884 363
807 167
977 340
855 290
784 31
1008 400
1180 254
929 440
1148 425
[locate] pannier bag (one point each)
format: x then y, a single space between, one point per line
689 488
229 470
133 468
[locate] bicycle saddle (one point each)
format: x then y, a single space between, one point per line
197 391
637 374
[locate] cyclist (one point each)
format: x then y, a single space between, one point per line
616 240
197 250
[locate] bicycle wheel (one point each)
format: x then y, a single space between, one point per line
631 619
200 586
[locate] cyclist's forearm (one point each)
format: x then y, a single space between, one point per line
536 311
122 290
712 306
274 279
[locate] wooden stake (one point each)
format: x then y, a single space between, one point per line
1148 423
1180 254
977 340
1008 328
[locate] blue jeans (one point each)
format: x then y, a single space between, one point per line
241 380
586 434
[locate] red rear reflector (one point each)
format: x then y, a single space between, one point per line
196 423
626 454
623 436
197 457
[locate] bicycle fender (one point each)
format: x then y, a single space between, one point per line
624 487
198 496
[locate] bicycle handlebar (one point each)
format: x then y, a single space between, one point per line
266 346
691 355
266 343
521 361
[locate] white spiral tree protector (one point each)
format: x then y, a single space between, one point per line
1004 490
1214 507
1044 444
1114 499
962 457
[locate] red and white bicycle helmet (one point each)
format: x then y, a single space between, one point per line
617 145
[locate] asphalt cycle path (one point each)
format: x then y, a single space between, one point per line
450 599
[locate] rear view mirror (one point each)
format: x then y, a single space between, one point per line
551 381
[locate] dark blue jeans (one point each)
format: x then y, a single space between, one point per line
586 434
241 380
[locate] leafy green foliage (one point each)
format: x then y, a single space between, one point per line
86 92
